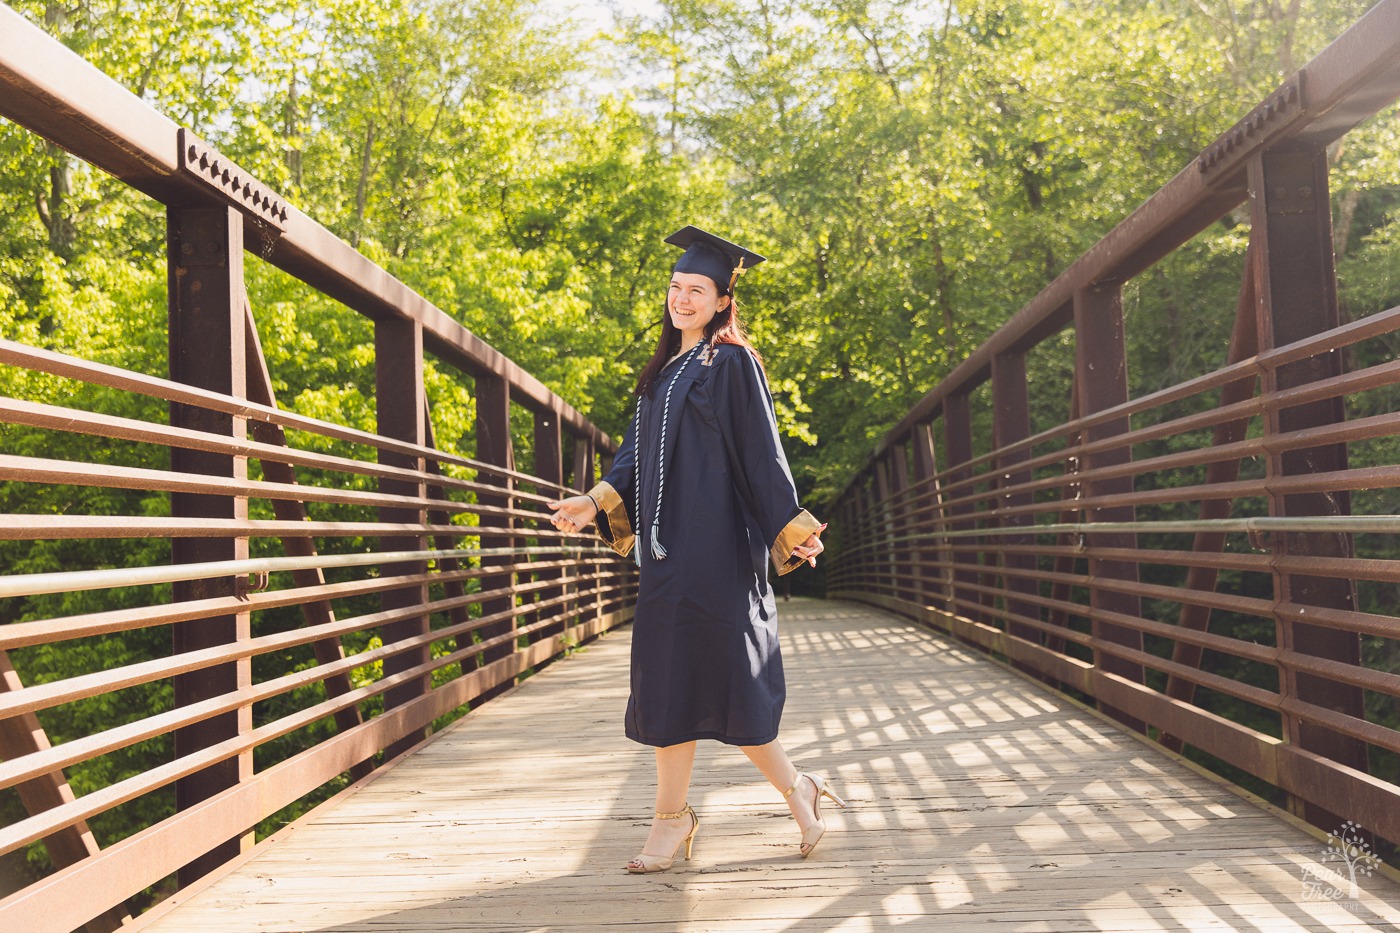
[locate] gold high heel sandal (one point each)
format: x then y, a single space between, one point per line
813 834
646 864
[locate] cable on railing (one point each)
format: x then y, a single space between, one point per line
37 584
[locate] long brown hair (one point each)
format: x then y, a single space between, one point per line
724 327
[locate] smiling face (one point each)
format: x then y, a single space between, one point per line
693 301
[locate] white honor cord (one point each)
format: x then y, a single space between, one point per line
657 551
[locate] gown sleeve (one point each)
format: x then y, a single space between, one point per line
744 410
614 495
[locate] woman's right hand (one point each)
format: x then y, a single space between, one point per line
573 514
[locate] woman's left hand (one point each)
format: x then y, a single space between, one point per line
809 549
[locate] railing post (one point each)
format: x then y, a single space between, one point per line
493 446
925 471
549 467
585 476
900 523
1011 423
399 394
1101 373
957 433
1296 297
882 528
866 523
207 350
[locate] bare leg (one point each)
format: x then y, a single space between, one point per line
772 759
673 765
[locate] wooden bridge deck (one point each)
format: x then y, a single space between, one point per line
978 802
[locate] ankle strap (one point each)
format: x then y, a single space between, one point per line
673 816
798 780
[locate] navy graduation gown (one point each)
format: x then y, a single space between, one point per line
705 657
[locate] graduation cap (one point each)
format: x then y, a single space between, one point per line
712 256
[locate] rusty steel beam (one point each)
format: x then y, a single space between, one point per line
399 395
207 350
1297 298
1101 373
1011 425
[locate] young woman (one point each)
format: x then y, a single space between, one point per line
702 478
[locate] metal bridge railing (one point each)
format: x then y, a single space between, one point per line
276 602
1214 563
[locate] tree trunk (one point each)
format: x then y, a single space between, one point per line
362 186
55 210
291 132
1346 213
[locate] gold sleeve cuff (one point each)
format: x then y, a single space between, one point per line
792 535
617 534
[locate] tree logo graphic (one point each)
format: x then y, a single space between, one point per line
1348 846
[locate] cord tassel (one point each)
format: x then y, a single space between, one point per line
657 551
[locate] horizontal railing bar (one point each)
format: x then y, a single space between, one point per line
35 584
44 631
1359 524
1376 734
1339 386
1350 620
1195 421
159 850
109 476
1219 560
1381 477
1339 432
1211 599
53 527
1259 696
72 367
1365 328
51 759
54 693
1265 699
1375 325
49 821
1365 677
79 421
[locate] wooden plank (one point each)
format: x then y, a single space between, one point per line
978 802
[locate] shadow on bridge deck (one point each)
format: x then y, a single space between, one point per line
978 801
